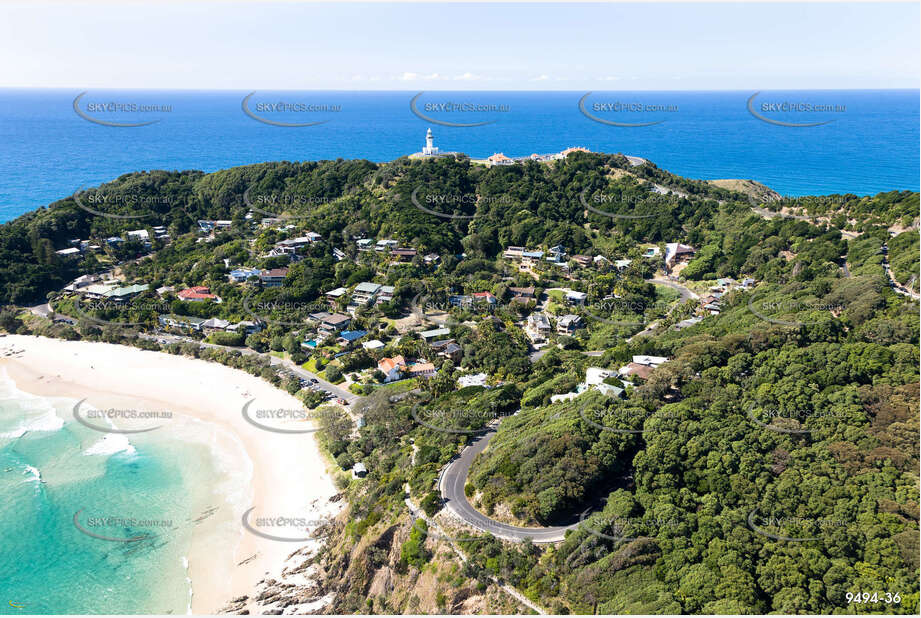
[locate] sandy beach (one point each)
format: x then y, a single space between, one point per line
285 474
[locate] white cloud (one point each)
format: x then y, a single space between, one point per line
468 76
409 76
539 78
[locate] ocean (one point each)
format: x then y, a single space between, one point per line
53 143
65 486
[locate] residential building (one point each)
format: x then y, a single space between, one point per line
365 244
460 300
431 258
126 293
274 277
385 244
214 324
364 293
651 361
392 368
81 282
422 370
597 375
241 275
181 321
568 324
333 296
582 260
513 253
374 344
348 337
198 293
333 324
434 334
403 254
538 327
498 159
476 379
359 471
385 294
70 252
676 252
576 299
142 235
488 298
636 369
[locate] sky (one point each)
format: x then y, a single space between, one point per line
411 46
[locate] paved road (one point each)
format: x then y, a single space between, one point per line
895 285
452 490
683 291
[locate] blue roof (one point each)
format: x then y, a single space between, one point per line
352 335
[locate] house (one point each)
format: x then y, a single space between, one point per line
241 275
197 294
70 252
392 368
214 324
486 297
273 278
687 323
568 324
181 321
513 253
338 254
96 290
452 351
294 245
596 375
582 260
141 235
622 264
385 294
247 326
556 254
498 159
676 252
81 282
610 390
333 296
576 299
635 369
476 379
422 370
403 254
359 471
530 258
459 300
434 333
538 327
206 226
364 293
431 258
601 262
651 361
277 253
527 293
160 232
374 344
126 293
365 244
332 324
348 337
166 288
114 240
385 244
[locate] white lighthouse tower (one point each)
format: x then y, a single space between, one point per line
429 149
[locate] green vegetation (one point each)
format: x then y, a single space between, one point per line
796 405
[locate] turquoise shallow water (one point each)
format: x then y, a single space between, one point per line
51 468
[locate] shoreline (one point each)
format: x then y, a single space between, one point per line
281 475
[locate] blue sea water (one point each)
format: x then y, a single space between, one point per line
868 144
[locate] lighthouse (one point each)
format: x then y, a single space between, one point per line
429 149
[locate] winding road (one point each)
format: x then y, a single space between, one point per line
452 484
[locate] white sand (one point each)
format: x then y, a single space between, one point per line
288 477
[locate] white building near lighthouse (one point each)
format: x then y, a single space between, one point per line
429 150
